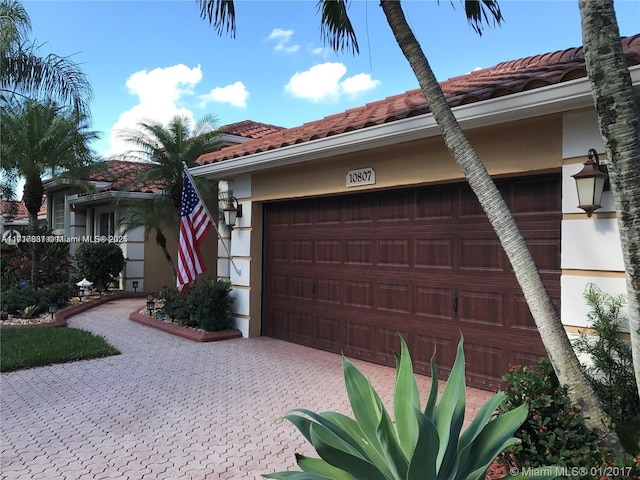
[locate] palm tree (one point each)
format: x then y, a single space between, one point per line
39 140
25 74
619 119
338 31
164 148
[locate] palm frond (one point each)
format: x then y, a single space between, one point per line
335 26
481 12
221 14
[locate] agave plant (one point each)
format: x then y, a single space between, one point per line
29 311
423 443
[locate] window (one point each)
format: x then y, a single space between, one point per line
106 225
57 219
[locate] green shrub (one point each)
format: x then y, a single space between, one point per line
554 431
19 297
99 263
421 443
611 370
29 312
210 302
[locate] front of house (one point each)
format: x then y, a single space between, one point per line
360 226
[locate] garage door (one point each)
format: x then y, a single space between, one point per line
351 273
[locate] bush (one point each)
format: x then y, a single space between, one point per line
611 370
99 263
19 297
210 302
554 431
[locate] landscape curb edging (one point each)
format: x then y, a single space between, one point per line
60 318
184 332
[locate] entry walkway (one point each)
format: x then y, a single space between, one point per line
169 408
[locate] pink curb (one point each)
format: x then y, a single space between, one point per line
184 332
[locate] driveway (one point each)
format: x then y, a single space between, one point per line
169 408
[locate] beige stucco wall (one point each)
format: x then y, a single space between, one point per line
156 269
525 146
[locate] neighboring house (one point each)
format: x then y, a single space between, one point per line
15 214
83 214
360 226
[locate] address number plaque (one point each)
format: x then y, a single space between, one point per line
362 176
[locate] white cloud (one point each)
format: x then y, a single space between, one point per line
235 94
159 91
322 83
282 38
361 82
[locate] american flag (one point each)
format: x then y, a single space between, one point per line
194 225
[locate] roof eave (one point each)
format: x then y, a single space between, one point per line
565 96
111 195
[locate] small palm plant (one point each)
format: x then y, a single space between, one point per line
422 444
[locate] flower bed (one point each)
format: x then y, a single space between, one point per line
184 332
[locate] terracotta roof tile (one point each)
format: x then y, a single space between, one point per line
250 129
504 78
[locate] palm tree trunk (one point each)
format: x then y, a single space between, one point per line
619 120
162 241
32 198
551 330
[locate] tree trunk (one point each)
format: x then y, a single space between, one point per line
32 198
162 241
619 120
552 332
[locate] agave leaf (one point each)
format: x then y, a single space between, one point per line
430 407
406 399
331 425
481 472
351 427
320 467
364 400
480 420
296 476
422 464
396 460
492 440
450 414
358 467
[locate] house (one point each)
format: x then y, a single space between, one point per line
14 214
360 226
83 214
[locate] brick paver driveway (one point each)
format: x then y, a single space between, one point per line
169 408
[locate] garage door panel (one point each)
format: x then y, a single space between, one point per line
484 308
358 252
393 252
393 297
358 340
434 253
485 254
433 302
358 294
347 273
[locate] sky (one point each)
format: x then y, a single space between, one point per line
152 60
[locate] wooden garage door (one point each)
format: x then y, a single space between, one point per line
350 273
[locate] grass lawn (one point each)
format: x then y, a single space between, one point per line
36 346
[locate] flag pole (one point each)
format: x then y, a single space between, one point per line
215 225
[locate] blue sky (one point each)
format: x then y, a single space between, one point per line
154 59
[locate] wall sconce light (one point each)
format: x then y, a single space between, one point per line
591 181
135 284
232 211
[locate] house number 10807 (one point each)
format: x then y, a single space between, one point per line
362 176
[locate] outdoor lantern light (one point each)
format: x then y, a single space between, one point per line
150 305
60 302
80 293
149 297
232 211
53 308
591 182
134 284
